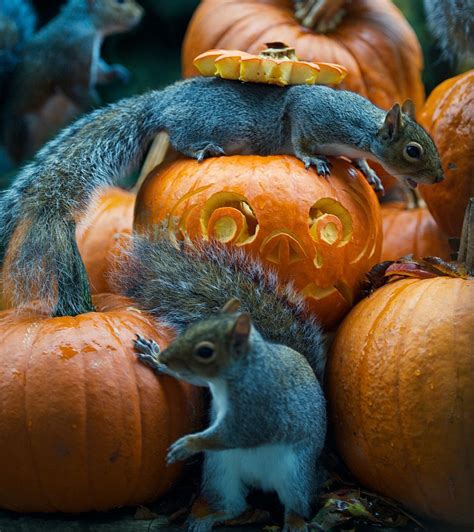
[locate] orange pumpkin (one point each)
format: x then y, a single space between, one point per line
98 233
373 42
411 231
321 234
85 426
448 116
401 399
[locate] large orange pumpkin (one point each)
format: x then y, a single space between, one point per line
84 425
99 231
448 116
373 41
320 233
401 395
411 231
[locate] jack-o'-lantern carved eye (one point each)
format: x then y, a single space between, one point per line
228 217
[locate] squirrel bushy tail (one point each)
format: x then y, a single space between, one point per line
183 283
38 213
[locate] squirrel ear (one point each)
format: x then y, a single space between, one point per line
240 332
408 108
231 307
393 122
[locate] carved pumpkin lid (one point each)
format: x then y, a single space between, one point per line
277 65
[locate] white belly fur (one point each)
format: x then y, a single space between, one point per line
266 467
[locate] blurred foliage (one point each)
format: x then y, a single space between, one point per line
152 51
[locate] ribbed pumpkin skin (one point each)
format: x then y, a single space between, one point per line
110 216
322 234
401 395
448 116
84 425
411 231
374 42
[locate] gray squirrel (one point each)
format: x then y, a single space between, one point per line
204 117
268 421
57 68
452 23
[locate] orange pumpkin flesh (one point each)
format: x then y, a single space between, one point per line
98 233
83 425
448 116
411 231
401 397
321 234
237 65
373 42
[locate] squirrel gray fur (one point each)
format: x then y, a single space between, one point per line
204 117
17 25
182 285
62 64
268 417
452 23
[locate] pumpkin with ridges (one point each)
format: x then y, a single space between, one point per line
373 42
448 116
83 425
400 394
411 231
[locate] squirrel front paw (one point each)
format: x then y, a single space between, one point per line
180 450
147 351
323 166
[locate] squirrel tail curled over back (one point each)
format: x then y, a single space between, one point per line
38 213
185 283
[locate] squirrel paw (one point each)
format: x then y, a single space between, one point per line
372 178
180 450
323 166
211 150
147 351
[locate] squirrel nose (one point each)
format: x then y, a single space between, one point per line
439 178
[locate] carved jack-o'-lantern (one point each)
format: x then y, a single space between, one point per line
322 234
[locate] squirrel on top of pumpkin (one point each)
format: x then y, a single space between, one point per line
49 76
204 117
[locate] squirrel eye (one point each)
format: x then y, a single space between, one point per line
205 352
413 151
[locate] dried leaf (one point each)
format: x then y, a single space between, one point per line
250 517
408 269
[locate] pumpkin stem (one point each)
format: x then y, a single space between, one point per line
321 16
156 155
466 248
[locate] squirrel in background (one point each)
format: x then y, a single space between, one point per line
452 23
58 67
203 117
268 417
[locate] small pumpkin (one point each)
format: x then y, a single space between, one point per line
373 41
84 426
400 393
411 231
448 116
100 234
276 66
322 234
